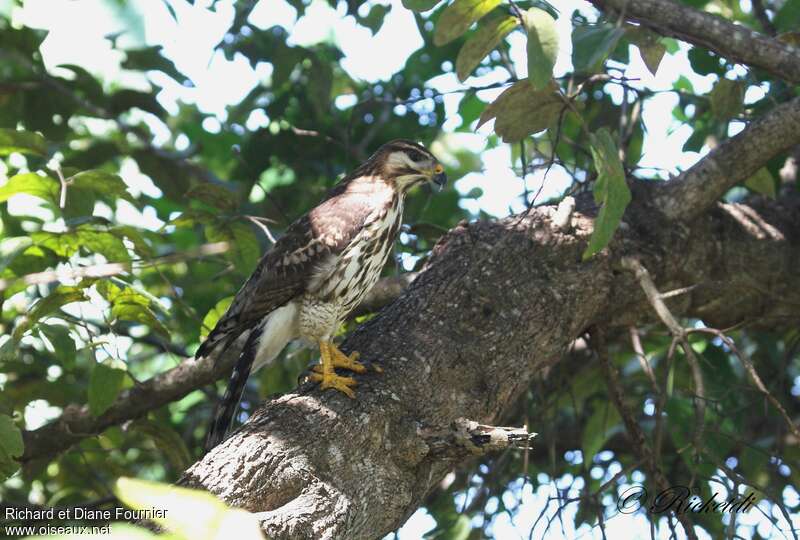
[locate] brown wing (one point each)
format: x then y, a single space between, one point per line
284 272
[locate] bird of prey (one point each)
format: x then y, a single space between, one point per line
318 271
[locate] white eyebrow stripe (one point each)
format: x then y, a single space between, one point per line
400 158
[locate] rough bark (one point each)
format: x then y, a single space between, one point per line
498 303
732 41
683 198
731 163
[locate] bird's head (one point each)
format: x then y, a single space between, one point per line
407 164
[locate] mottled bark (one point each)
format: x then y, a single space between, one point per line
732 41
498 304
731 163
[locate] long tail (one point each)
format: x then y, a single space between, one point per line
226 408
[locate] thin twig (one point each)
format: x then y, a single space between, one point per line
112 269
636 342
747 364
635 432
679 337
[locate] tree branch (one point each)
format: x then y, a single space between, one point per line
731 163
733 41
77 423
636 435
464 341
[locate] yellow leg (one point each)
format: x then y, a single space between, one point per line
332 357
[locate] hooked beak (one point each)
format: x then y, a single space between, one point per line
439 178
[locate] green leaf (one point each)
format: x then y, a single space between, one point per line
244 249
61 296
8 351
26 142
167 441
128 304
11 248
762 182
705 62
650 47
213 315
78 205
375 17
11 446
44 187
726 97
84 81
610 190
490 32
420 5
102 183
604 422
124 100
520 111
171 177
213 195
149 59
135 236
469 109
591 45
788 17
458 17
192 217
88 237
460 529
320 82
190 513
135 312
105 384
63 345
542 46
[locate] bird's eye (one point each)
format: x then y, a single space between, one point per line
416 156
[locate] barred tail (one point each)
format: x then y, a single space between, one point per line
226 408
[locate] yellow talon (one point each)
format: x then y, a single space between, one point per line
341 360
337 382
332 357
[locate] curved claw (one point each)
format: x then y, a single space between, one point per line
337 382
343 361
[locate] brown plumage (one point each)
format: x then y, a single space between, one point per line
318 272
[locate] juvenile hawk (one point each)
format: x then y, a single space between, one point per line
318 271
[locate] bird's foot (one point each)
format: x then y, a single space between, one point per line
331 357
332 380
343 361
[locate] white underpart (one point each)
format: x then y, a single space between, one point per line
280 327
321 320
352 254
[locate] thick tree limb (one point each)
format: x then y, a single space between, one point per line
732 41
499 303
731 163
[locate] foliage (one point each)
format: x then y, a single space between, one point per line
99 173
